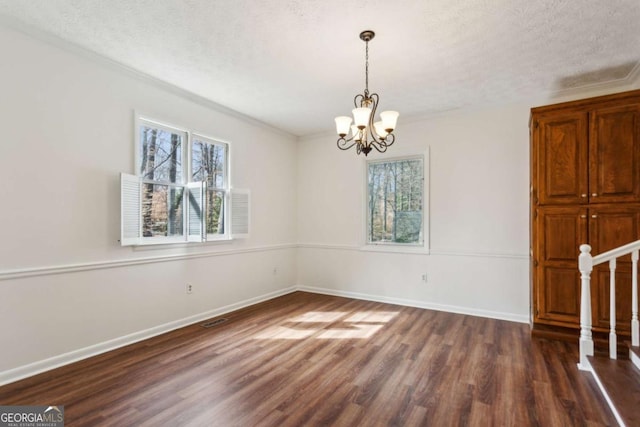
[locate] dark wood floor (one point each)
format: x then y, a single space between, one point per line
306 359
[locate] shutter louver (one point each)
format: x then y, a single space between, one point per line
240 209
196 217
129 210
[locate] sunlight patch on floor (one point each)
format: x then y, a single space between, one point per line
284 333
357 331
372 316
339 325
319 316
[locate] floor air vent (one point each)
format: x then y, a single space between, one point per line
214 323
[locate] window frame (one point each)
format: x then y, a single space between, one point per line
141 120
226 189
422 247
185 181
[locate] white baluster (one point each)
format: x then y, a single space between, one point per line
585 263
635 327
613 341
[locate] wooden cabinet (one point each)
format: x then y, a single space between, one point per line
585 188
588 157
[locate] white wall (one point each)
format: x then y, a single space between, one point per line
65 283
478 185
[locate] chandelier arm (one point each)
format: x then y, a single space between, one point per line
342 143
389 139
355 100
380 148
372 130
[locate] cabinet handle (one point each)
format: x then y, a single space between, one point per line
594 216
594 194
583 216
583 195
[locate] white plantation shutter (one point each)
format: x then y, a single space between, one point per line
130 222
196 225
240 210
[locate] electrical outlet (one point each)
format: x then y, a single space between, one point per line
189 288
424 277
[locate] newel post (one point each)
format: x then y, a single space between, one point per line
585 264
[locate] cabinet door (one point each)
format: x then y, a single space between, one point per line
560 232
614 155
611 226
562 158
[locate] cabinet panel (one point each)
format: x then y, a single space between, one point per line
611 226
562 158
559 295
614 225
560 231
614 155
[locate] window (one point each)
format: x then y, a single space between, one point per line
208 165
160 168
181 189
395 195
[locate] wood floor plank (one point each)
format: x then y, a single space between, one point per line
307 359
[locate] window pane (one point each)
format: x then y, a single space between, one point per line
161 154
395 201
207 163
162 213
215 212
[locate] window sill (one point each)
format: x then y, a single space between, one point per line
398 249
151 246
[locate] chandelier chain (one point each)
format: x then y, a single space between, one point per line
366 68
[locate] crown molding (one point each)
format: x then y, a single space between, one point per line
634 76
121 68
619 85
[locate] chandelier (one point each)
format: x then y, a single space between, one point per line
365 134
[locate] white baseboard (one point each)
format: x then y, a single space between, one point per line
512 317
38 367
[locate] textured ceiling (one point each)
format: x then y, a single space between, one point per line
296 64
